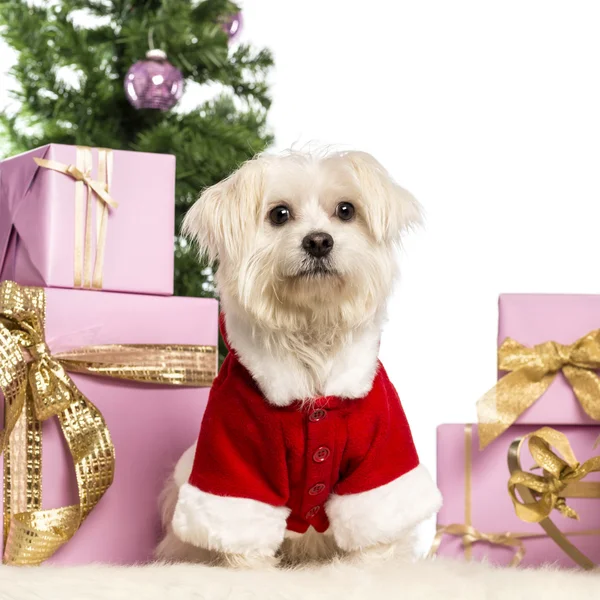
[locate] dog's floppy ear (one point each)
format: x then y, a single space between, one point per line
223 212
201 220
390 209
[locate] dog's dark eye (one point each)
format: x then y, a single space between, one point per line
345 211
279 215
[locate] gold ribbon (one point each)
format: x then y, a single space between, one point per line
468 473
470 535
86 272
530 373
105 171
541 494
36 387
515 540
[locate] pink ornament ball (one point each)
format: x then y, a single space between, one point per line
154 82
232 25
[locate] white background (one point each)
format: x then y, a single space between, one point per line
489 112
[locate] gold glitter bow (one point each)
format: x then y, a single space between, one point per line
470 535
531 371
36 386
85 186
561 478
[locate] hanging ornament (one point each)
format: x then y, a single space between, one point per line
154 82
232 25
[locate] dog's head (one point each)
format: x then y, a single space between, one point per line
298 236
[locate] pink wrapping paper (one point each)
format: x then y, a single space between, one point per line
151 426
37 221
492 510
536 318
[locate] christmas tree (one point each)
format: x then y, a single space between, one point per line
72 60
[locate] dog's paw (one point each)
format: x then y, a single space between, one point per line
383 552
248 561
172 550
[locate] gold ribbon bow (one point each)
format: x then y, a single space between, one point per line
530 373
86 186
98 186
470 535
561 478
36 386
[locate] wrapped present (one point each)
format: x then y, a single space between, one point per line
78 217
102 394
548 358
506 506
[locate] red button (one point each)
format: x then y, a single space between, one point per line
316 489
317 415
312 512
322 454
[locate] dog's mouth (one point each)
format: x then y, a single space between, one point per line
316 269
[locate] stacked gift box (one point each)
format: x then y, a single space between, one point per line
521 486
105 374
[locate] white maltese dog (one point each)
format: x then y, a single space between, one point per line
304 451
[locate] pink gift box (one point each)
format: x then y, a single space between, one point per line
537 318
482 500
38 221
151 425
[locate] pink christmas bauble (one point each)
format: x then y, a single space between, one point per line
154 82
232 25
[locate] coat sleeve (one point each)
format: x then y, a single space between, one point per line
234 499
386 492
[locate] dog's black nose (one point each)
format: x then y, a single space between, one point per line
318 244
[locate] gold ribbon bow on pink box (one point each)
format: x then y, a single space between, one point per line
36 386
535 496
530 372
87 268
551 490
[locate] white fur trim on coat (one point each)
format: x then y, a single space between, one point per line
226 524
384 514
282 376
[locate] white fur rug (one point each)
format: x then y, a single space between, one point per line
423 580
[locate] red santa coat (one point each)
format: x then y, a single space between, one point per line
259 469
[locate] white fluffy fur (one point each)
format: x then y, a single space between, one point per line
183 468
298 332
380 580
383 515
348 373
177 546
233 525
304 327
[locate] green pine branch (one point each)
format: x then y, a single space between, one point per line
209 141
